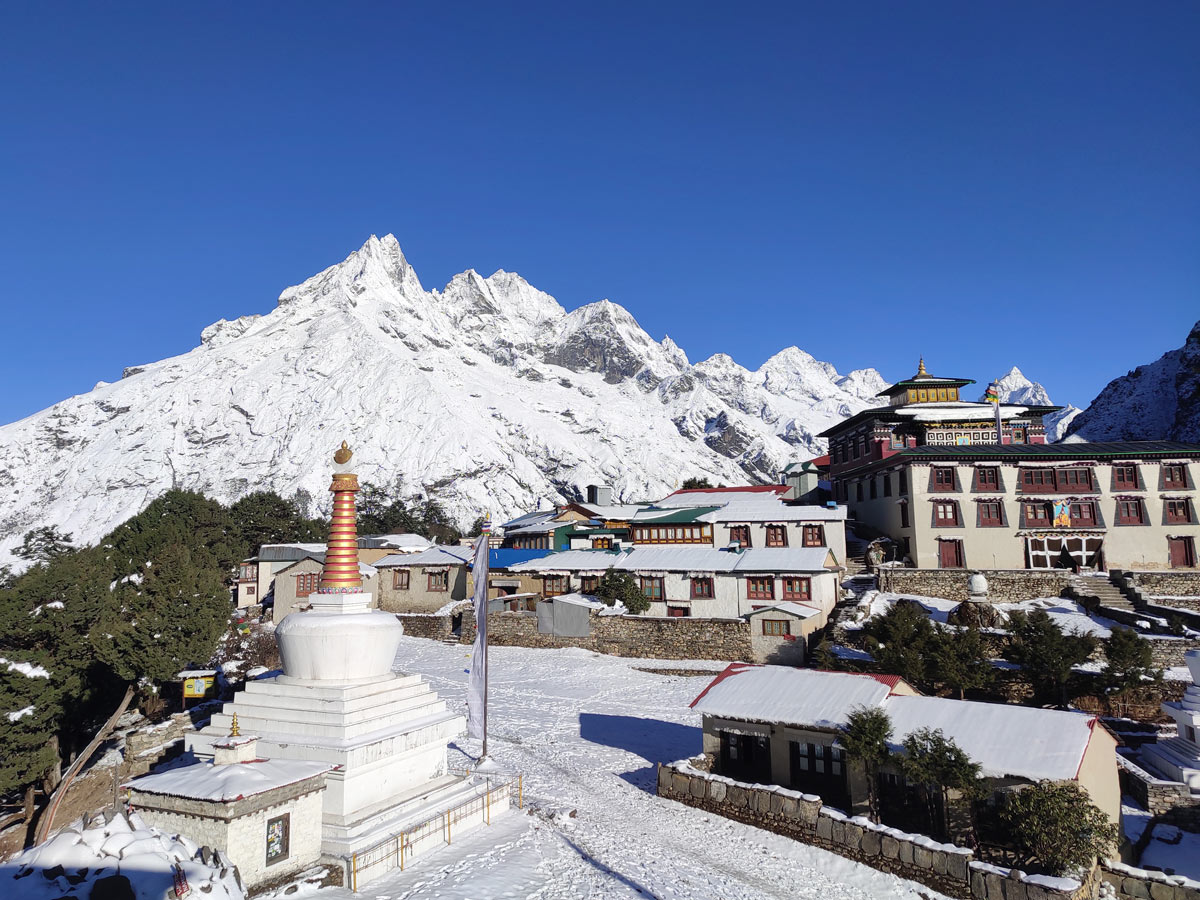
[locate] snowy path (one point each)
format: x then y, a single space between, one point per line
586 731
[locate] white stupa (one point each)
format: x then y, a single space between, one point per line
339 702
1178 758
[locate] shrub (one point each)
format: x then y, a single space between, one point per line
621 587
1056 827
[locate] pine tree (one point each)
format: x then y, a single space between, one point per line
694 483
621 587
1045 653
44 545
901 641
940 766
961 661
866 737
1130 660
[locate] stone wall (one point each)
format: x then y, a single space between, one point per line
437 628
944 867
630 636
1174 584
1140 884
1004 585
1169 651
1172 800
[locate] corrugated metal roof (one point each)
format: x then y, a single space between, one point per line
784 559
570 561
677 558
681 558
434 556
671 515
774 511
285 552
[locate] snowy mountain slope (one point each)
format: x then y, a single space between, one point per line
486 394
1157 401
1016 388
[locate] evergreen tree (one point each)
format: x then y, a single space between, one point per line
1045 653
961 661
1130 661
691 484
266 518
1053 825
621 587
940 766
901 641
43 545
865 737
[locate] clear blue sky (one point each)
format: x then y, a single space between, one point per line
988 184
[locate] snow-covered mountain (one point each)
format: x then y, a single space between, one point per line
1158 401
486 394
1015 388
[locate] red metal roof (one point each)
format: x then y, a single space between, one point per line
746 489
820 460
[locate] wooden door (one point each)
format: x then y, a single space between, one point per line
1182 552
950 554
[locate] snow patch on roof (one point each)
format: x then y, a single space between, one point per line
206 781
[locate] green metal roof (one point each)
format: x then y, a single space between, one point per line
1082 449
675 516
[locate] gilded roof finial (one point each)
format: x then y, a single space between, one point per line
920 371
343 454
234 731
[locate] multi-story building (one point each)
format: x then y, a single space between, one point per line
931 475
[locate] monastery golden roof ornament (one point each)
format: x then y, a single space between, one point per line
342 455
921 373
234 731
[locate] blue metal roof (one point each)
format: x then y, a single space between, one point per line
504 557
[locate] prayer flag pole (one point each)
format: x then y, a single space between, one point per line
477 685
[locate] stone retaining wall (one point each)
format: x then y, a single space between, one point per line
629 636
1004 585
1169 651
1172 800
1139 884
1174 584
944 867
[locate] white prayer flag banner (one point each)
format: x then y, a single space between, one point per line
477 683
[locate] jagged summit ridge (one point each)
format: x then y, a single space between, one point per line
486 394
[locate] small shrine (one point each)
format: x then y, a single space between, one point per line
383 736
1178 758
264 814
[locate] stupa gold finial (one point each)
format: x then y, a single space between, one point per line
920 371
234 731
342 455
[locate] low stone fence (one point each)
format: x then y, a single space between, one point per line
1169 652
945 867
427 625
1173 801
1131 883
649 637
1004 585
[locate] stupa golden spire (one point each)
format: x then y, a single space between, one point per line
920 373
340 572
234 730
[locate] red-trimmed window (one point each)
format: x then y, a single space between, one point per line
776 627
813 536
1130 512
760 587
1037 479
991 514
797 588
702 588
1178 512
589 584
777 536
943 478
1073 479
652 588
553 585
1125 478
400 579
1037 514
678 612
740 535
438 581
945 514
987 478
1083 513
307 583
1174 477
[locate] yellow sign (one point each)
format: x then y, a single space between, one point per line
195 688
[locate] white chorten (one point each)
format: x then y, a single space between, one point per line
339 702
1178 758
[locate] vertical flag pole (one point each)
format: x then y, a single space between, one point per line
477 686
993 394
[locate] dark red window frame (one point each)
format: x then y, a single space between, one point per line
943 478
702 588
812 536
760 587
987 478
777 536
740 535
1178 512
991 514
1131 512
797 587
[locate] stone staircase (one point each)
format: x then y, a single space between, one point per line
1100 595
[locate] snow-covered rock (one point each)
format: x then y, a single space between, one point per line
1157 401
486 394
